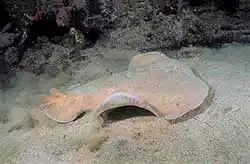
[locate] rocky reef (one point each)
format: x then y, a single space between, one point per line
54 34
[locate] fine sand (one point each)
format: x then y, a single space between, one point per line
221 134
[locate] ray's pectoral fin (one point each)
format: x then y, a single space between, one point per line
54 95
121 103
145 59
62 107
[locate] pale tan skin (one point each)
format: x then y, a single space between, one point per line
66 107
162 89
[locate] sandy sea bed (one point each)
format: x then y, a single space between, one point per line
221 134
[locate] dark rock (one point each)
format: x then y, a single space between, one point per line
150 28
7 39
99 14
77 3
33 61
7 79
168 6
139 25
49 58
12 45
12 56
95 18
243 9
63 18
16 8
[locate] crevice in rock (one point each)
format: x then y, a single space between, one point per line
5 18
48 28
229 6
